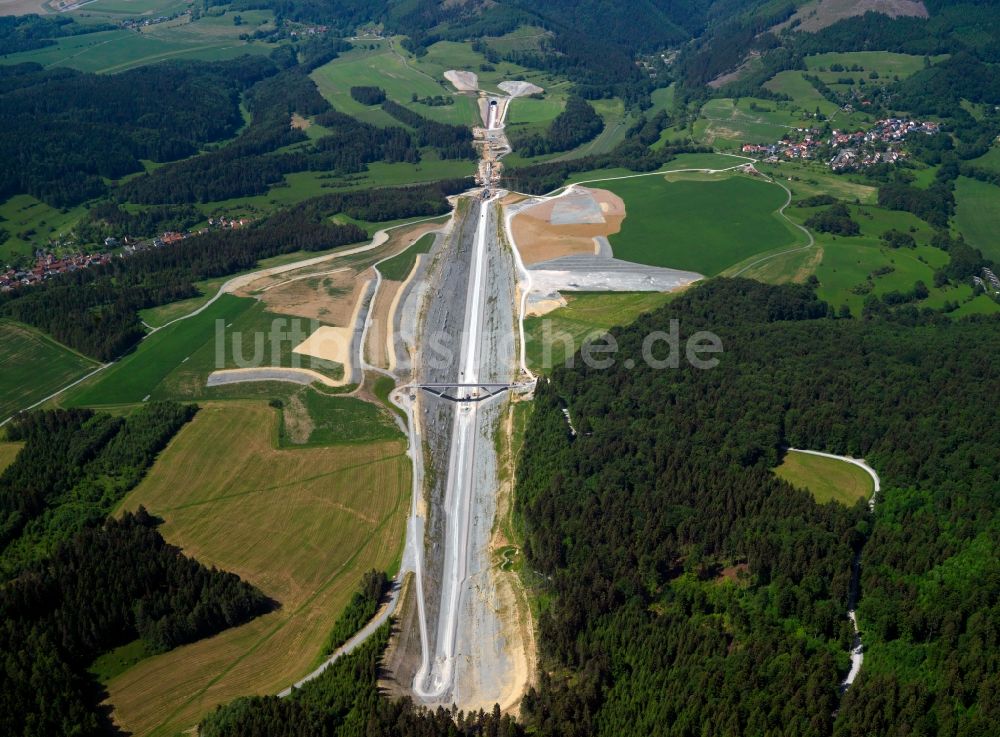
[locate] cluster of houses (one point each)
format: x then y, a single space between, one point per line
48 265
880 144
309 31
988 277
786 147
228 223
137 24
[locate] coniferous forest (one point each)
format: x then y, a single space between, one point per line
638 524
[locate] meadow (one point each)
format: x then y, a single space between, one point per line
107 52
254 337
989 160
138 374
851 268
551 339
886 63
331 420
303 525
827 479
387 67
8 452
699 225
977 215
29 221
728 123
793 84
808 178
34 366
678 163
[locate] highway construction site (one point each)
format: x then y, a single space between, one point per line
460 638
451 338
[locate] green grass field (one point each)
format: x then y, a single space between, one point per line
108 9
978 215
301 524
681 161
701 226
886 63
30 222
850 269
550 339
319 419
115 51
727 123
827 479
390 69
989 160
808 178
34 366
399 266
612 111
793 84
252 337
8 452
140 373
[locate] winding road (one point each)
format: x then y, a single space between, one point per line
857 647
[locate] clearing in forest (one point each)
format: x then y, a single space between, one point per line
827 479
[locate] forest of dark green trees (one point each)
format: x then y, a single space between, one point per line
345 701
633 522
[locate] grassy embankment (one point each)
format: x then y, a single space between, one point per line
399 266
553 337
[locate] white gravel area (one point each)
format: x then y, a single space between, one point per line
463 81
520 88
601 274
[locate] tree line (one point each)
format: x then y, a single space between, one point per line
345 701
108 585
575 125
74 467
450 141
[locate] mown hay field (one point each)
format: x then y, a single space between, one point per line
302 525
